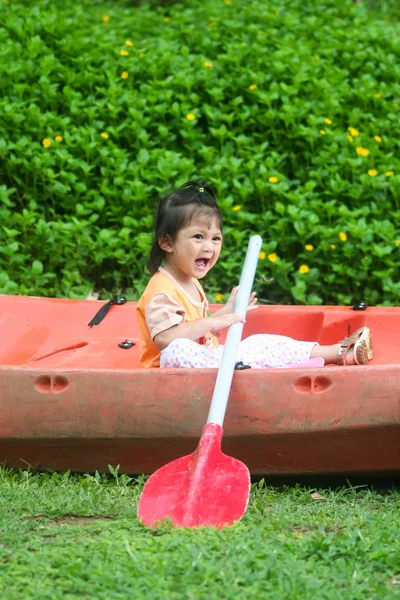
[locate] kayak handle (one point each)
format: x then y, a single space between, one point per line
222 387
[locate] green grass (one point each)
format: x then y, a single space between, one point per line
287 545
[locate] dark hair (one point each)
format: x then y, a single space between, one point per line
177 210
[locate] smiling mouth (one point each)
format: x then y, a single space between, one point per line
202 263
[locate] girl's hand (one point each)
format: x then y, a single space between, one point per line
218 322
231 301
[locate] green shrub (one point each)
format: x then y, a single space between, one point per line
255 97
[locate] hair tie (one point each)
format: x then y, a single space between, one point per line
201 189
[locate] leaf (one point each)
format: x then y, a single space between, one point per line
37 267
317 496
114 470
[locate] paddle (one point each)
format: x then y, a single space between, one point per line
207 487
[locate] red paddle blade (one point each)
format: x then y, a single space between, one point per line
205 488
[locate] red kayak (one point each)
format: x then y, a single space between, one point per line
73 396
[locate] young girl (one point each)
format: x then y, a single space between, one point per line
175 330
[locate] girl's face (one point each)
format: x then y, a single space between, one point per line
195 250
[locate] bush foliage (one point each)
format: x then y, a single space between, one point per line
290 110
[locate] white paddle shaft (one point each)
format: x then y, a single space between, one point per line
226 369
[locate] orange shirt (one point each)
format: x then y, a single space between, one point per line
165 303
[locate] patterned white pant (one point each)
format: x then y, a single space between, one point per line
261 351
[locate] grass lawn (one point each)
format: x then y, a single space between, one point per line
65 536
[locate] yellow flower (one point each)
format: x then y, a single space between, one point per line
322 132
343 236
372 172
167 19
349 137
219 297
190 117
58 138
104 135
207 63
389 173
362 151
333 246
304 269
237 207
252 86
328 121
124 75
262 255
378 138
309 247
353 131
397 242
316 57
124 53
272 257
273 179
227 1
128 43
377 95
46 142
105 18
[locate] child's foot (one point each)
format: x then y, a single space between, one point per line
361 344
364 333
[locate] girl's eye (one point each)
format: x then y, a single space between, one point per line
217 239
198 236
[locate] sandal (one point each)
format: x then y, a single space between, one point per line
364 333
361 342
